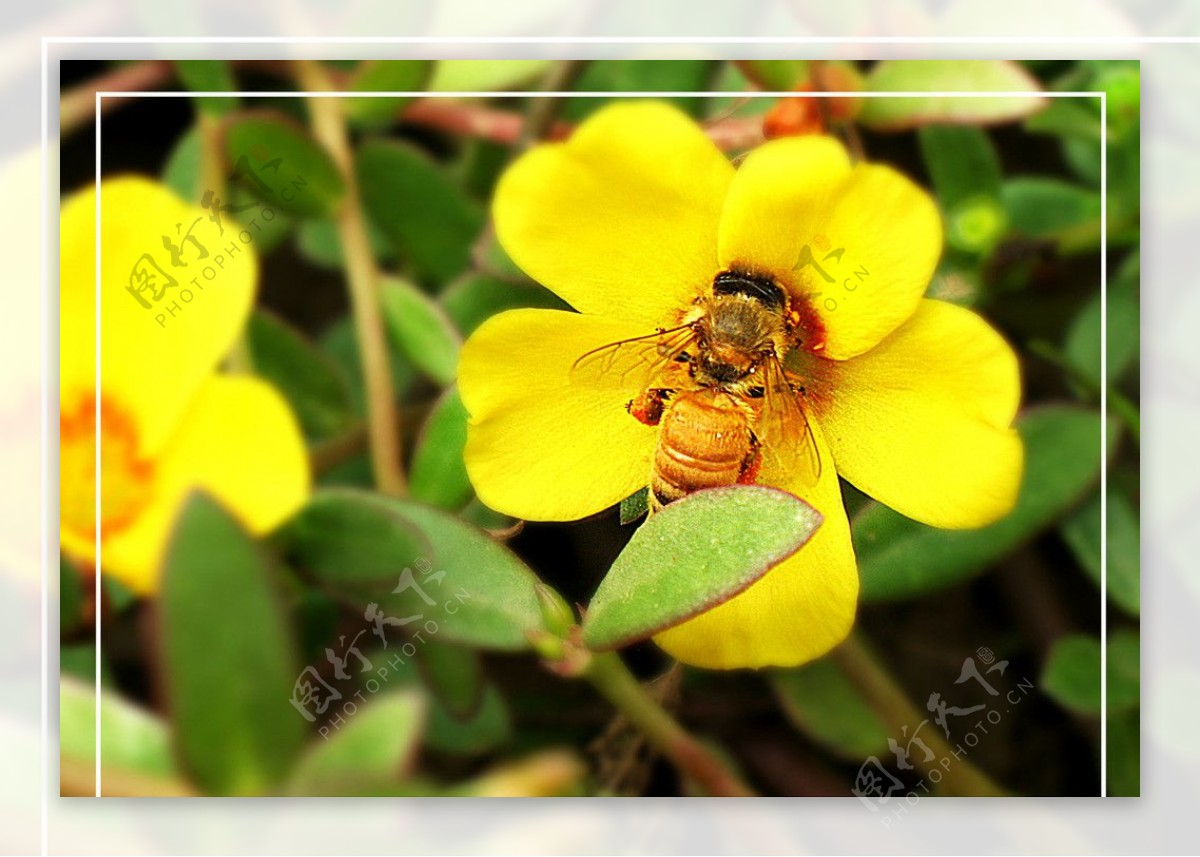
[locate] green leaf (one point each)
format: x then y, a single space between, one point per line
962 163
1124 670
429 219
693 555
485 75
821 703
352 543
437 474
1067 117
209 76
453 675
375 747
420 329
1082 534
775 75
384 76
281 165
884 113
481 594
474 299
626 75
965 171
229 656
181 172
900 558
484 729
311 382
318 241
131 738
1082 346
340 342
1071 675
1051 208
635 506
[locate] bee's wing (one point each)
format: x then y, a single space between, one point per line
639 361
782 425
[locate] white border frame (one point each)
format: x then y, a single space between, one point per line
46 41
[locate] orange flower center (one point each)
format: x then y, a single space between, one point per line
125 475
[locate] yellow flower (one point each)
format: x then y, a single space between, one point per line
171 308
911 400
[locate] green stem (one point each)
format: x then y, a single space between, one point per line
362 277
890 702
609 675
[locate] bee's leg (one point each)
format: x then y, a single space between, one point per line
647 408
751 466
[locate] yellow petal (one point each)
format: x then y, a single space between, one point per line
800 610
154 356
922 422
239 442
859 243
540 446
622 218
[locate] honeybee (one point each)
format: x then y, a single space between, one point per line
717 386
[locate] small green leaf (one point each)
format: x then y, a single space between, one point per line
429 219
900 558
965 171
1082 346
1071 675
626 75
209 76
345 540
484 729
1052 208
1082 534
473 299
384 76
281 165
132 739
374 748
318 241
311 382
420 329
437 475
229 656
893 113
480 594
693 555
820 702
635 506
775 75
485 75
453 675
962 163
181 172
340 342
1068 117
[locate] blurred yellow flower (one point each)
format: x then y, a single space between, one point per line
177 284
631 221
